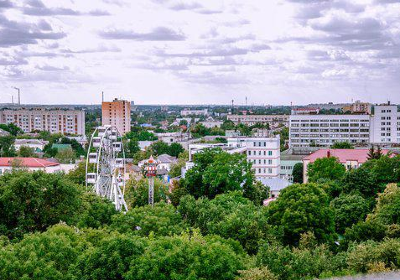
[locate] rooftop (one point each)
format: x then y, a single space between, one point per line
344 155
26 162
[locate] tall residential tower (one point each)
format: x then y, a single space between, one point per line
117 113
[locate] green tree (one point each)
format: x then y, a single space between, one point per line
298 173
131 148
349 209
78 174
12 129
302 208
160 220
48 255
66 156
387 210
32 201
342 145
111 259
137 192
26 152
7 146
229 216
187 257
175 149
328 168
217 172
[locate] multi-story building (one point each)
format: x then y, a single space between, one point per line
117 113
272 120
53 120
385 125
325 130
262 152
359 107
189 112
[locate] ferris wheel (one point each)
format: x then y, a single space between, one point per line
105 165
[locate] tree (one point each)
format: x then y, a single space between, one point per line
342 145
372 154
348 210
32 201
302 208
48 255
228 125
189 256
78 174
175 149
217 172
26 152
137 192
229 216
298 173
7 146
12 129
387 210
328 168
159 148
66 156
111 259
131 148
159 220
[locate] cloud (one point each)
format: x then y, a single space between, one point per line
16 33
5 4
37 8
98 49
157 34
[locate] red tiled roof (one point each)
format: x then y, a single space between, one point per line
27 162
344 155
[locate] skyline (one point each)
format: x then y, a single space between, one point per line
200 52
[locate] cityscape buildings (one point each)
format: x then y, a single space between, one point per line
272 120
53 120
117 113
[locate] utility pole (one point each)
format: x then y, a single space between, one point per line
19 95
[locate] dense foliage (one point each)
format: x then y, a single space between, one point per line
52 228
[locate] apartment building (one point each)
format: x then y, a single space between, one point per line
385 125
262 152
53 120
189 112
273 120
117 113
325 130
358 107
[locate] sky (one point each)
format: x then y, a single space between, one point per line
200 51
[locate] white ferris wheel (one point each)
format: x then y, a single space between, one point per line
105 165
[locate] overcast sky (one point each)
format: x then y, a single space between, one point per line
204 51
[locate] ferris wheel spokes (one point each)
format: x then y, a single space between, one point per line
107 174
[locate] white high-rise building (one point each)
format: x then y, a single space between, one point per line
263 152
385 125
62 121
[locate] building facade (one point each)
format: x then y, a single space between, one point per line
117 113
189 112
262 152
325 130
385 125
62 121
272 120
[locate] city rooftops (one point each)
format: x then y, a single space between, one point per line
26 162
343 155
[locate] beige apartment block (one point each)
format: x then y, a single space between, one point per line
55 120
117 113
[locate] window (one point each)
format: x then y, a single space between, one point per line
269 170
270 153
270 161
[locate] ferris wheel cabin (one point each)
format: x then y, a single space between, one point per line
93 158
91 178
